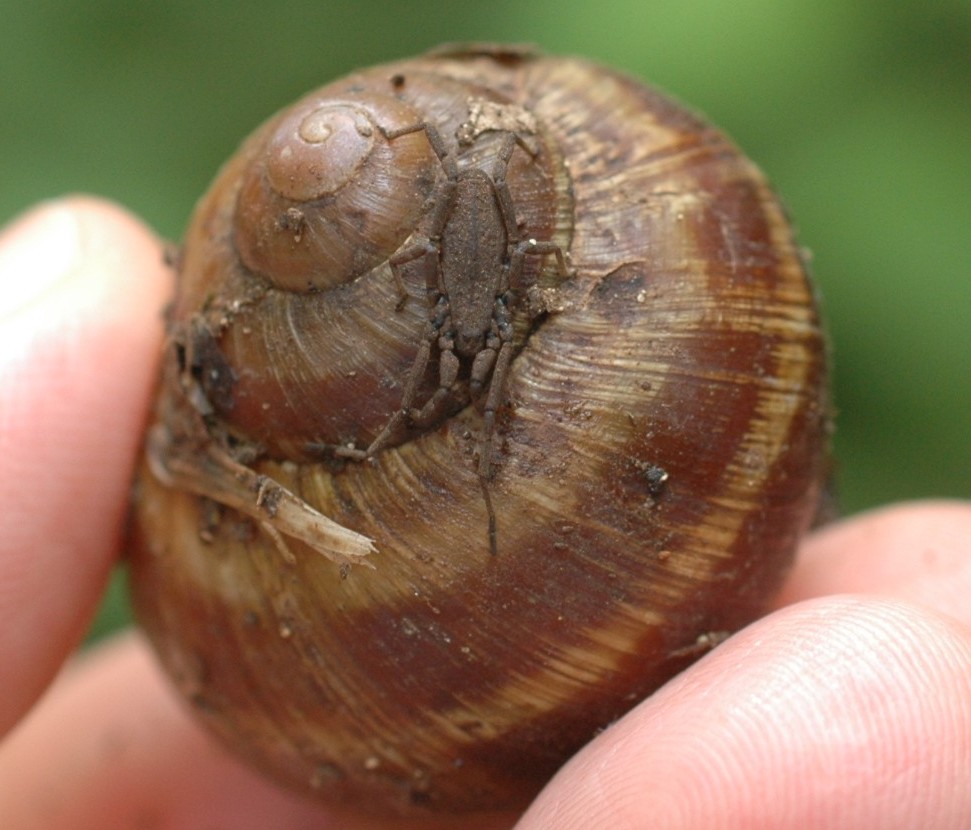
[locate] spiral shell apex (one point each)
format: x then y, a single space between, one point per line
495 394
331 198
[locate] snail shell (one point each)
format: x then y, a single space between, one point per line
659 446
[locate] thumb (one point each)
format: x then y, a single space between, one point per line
82 284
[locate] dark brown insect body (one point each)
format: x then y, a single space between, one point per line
473 264
382 271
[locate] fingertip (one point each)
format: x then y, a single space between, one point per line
79 339
57 242
842 712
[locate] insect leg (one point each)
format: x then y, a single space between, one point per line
419 250
448 372
497 385
538 247
435 141
503 196
415 375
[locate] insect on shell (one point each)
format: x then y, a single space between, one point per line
310 552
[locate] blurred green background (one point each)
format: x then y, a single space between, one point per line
859 111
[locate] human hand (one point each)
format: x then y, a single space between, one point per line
850 706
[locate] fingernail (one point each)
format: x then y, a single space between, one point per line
37 251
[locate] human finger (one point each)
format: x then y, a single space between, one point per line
919 552
842 712
80 329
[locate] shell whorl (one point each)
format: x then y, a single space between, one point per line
662 439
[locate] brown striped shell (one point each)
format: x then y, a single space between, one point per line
659 450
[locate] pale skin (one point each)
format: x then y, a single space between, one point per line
849 706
